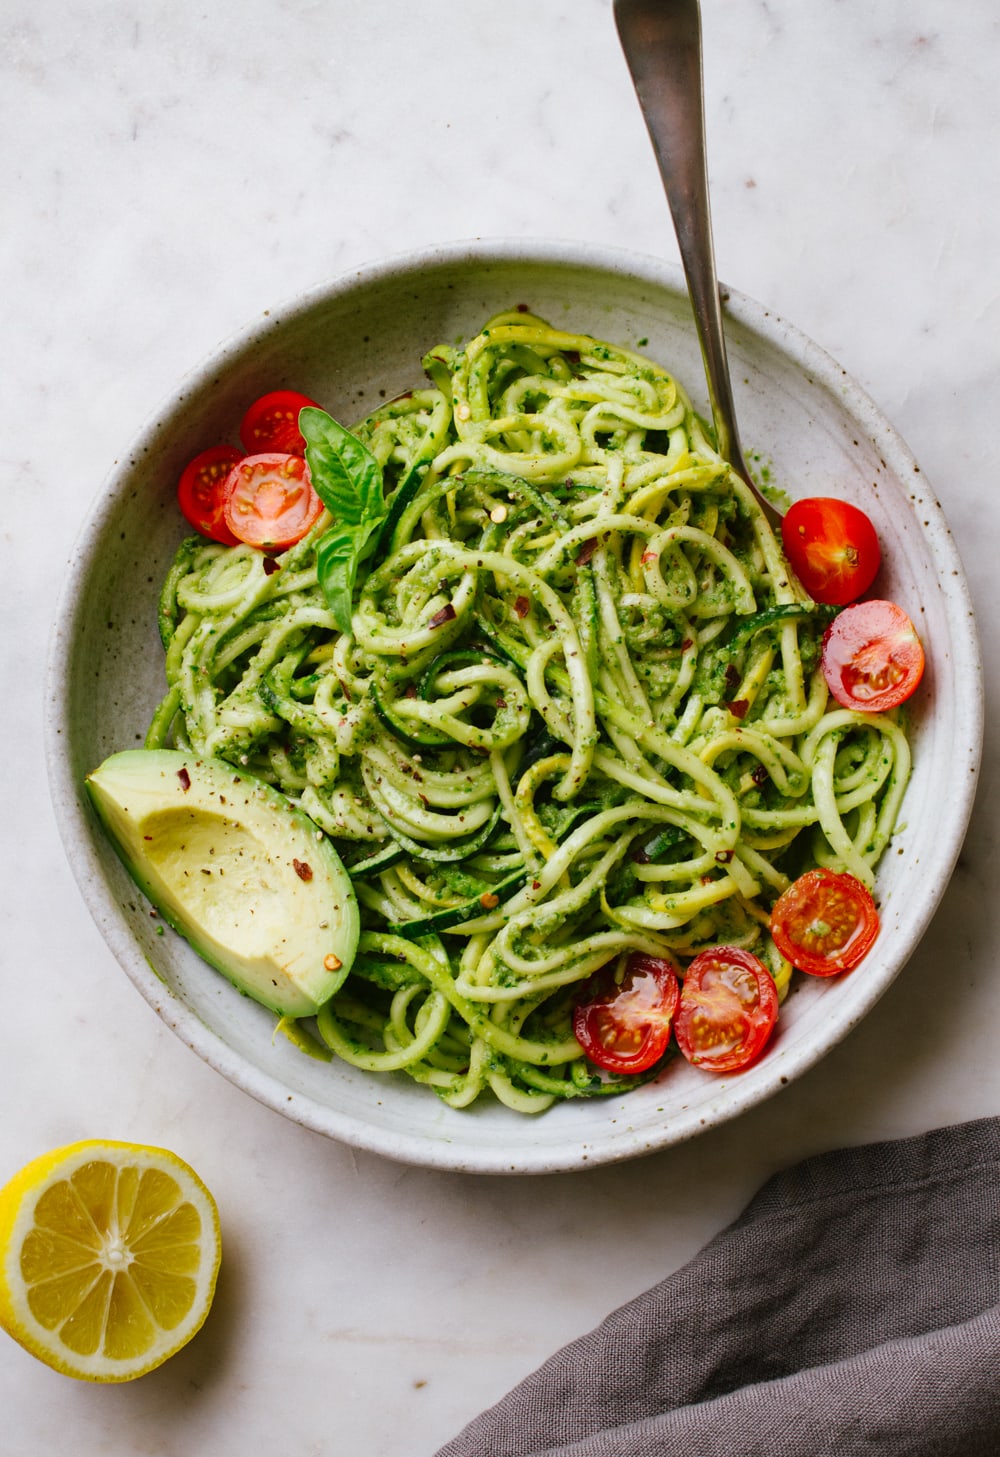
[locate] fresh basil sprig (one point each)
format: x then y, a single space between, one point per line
348 480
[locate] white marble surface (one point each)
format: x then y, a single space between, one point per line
169 171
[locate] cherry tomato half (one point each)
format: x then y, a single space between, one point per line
824 923
272 423
872 658
625 1027
728 1008
269 500
200 491
832 547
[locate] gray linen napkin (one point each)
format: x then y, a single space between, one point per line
853 1308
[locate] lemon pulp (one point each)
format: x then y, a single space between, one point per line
109 1254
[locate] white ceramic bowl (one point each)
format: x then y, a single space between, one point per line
350 345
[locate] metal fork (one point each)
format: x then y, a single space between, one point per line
661 40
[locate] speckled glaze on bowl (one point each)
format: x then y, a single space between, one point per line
350 345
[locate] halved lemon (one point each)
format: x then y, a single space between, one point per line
109 1254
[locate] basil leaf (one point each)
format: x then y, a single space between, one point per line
348 480
336 564
345 475
339 552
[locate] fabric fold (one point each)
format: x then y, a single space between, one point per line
853 1307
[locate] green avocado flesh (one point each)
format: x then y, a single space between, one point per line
239 871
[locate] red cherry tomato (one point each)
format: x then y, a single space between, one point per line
272 423
728 1008
872 658
269 500
824 923
200 491
625 1027
832 547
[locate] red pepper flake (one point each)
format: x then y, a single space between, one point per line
331 962
184 777
302 870
759 775
732 677
447 614
522 606
536 885
489 901
739 708
586 552
723 856
411 690
650 556
271 565
687 645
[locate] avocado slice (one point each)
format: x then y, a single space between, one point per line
237 869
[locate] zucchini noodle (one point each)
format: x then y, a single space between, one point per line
580 712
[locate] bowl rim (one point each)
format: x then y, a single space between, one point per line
76 831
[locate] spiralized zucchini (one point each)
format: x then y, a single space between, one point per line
580 712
